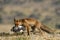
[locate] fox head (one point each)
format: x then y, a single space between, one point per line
17 22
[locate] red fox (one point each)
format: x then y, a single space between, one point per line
33 23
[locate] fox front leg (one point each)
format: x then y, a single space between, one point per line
27 27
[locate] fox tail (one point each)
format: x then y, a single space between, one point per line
47 29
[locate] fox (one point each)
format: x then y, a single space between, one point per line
33 23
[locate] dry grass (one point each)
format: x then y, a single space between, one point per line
32 36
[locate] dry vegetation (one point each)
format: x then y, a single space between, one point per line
37 36
32 37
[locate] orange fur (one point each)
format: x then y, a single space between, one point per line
33 23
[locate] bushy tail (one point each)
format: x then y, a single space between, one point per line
47 29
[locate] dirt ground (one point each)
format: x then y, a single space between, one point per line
45 36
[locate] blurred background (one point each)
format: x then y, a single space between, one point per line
46 11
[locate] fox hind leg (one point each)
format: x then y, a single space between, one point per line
33 28
38 26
